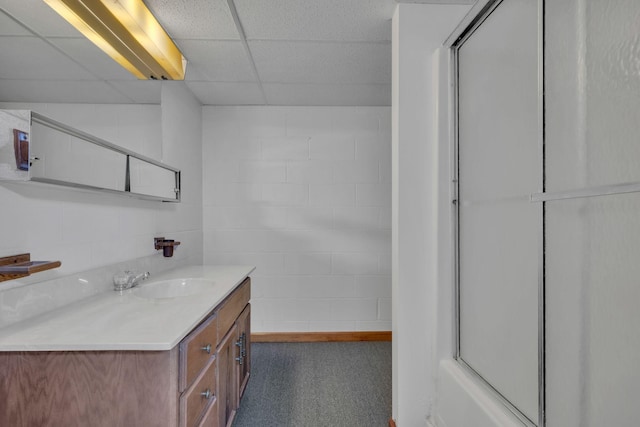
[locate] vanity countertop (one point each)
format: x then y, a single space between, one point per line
123 320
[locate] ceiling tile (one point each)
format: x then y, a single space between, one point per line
32 58
327 52
139 91
9 27
338 20
62 91
216 61
39 17
92 58
308 62
328 94
195 19
214 93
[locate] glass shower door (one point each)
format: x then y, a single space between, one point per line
499 166
592 74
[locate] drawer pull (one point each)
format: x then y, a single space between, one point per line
206 394
243 348
207 348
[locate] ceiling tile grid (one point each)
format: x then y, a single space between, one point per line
139 91
39 18
216 61
92 58
226 93
296 52
328 20
309 62
33 58
195 19
331 52
9 27
63 91
328 95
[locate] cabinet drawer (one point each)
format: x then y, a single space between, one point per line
210 418
232 307
195 351
194 401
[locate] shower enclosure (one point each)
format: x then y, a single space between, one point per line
547 233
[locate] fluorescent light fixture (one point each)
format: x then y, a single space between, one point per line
128 32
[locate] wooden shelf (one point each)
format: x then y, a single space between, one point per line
17 266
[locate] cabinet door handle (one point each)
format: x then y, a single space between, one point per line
239 359
243 351
206 394
207 348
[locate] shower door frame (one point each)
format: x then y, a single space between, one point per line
472 21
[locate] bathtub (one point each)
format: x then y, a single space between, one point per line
463 401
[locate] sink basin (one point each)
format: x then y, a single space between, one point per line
173 288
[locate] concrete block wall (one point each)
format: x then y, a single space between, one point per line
303 193
86 230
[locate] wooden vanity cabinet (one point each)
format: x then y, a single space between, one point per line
244 338
228 377
89 388
196 384
233 352
197 372
224 338
196 400
196 349
210 417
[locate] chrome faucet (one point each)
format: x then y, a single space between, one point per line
128 279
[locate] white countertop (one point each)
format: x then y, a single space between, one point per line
124 321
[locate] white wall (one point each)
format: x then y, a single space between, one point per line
418 31
85 230
182 148
303 193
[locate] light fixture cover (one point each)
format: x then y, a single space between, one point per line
128 32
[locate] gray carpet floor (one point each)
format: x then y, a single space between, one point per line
317 385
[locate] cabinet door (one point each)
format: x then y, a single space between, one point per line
228 375
244 333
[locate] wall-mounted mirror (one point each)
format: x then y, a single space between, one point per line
38 149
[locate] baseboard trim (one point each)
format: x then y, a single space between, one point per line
392 423
320 336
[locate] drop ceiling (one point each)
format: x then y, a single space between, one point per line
239 52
